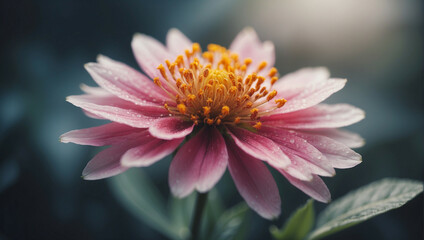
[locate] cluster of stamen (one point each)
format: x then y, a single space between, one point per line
214 88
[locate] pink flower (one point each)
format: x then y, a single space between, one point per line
231 110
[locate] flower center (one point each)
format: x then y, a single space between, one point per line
215 87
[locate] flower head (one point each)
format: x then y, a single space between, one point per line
234 111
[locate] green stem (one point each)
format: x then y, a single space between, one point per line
197 217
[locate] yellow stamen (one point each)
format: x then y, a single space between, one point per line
182 108
196 47
225 110
280 102
206 110
273 80
261 66
247 61
191 97
213 87
209 121
157 81
162 71
258 125
271 95
253 113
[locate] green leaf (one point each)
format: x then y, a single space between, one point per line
298 225
141 198
364 203
232 224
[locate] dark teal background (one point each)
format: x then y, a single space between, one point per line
45 43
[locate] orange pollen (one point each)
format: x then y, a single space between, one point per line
257 125
247 61
206 111
272 72
254 113
271 95
182 108
262 65
280 102
225 110
218 87
157 81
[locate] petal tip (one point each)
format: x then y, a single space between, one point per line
86 176
137 37
179 194
249 30
100 57
63 139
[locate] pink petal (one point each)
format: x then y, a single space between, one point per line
259 147
177 42
315 188
319 116
339 155
105 164
125 82
108 134
91 115
149 152
254 182
120 83
118 110
348 138
308 96
245 43
170 128
94 90
149 53
306 156
199 163
299 168
293 83
248 45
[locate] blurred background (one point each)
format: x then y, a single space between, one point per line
377 45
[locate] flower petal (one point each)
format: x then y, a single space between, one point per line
118 110
299 168
293 83
348 138
319 116
108 134
149 53
315 188
307 156
125 82
339 155
248 45
245 43
149 152
171 128
254 182
105 164
177 42
307 96
94 90
199 163
259 147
